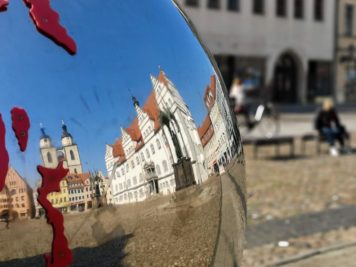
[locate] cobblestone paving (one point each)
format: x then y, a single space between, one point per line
306 224
178 230
308 201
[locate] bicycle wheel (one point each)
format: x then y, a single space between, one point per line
269 123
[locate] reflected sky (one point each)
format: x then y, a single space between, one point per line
120 43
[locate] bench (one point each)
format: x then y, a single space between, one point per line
319 141
274 141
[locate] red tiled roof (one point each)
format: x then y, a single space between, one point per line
210 88
134 131
118 150
151 108
203 131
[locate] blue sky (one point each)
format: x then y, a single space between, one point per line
120 42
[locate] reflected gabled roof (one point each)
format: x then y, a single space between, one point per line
203 130
152 110
210 90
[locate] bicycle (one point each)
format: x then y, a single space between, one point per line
265 118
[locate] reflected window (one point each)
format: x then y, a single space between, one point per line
299 9
158 144
319 10
233 5
349 19
49 157
158 170
214 4
165 166
281 8
193 3
72 157
258 7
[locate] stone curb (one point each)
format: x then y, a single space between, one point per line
313 253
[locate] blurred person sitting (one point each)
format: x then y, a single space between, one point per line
238 93
329 127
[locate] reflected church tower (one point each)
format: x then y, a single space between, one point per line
68 152
48 151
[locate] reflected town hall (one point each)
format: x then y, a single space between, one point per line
163 150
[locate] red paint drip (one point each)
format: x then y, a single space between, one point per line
4 156
61 255
47 22
20 125
3 5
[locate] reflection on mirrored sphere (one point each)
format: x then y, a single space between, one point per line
132 157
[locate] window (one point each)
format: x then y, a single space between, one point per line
165 166
318 10
49 157
72 157
147 153
194 3
233 5
158 170
138 160
158 144
215 4
152 149
142 156
127 168
132 164
299 9
259 7
281 8
128 183
349 19
122 171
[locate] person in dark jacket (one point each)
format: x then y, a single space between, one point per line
329 126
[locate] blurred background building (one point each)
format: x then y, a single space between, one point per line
286 48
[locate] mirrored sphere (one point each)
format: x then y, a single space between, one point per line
118 145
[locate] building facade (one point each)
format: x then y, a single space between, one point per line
140 163
346 52
283 47
16 197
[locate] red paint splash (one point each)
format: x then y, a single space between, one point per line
47 22
3 5
61 255
20 125
4 156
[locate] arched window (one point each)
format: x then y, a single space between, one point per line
165 166
158 144
49 157
158 170
152 149
72 157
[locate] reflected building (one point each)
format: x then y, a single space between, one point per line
143 160
216 131
16 197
